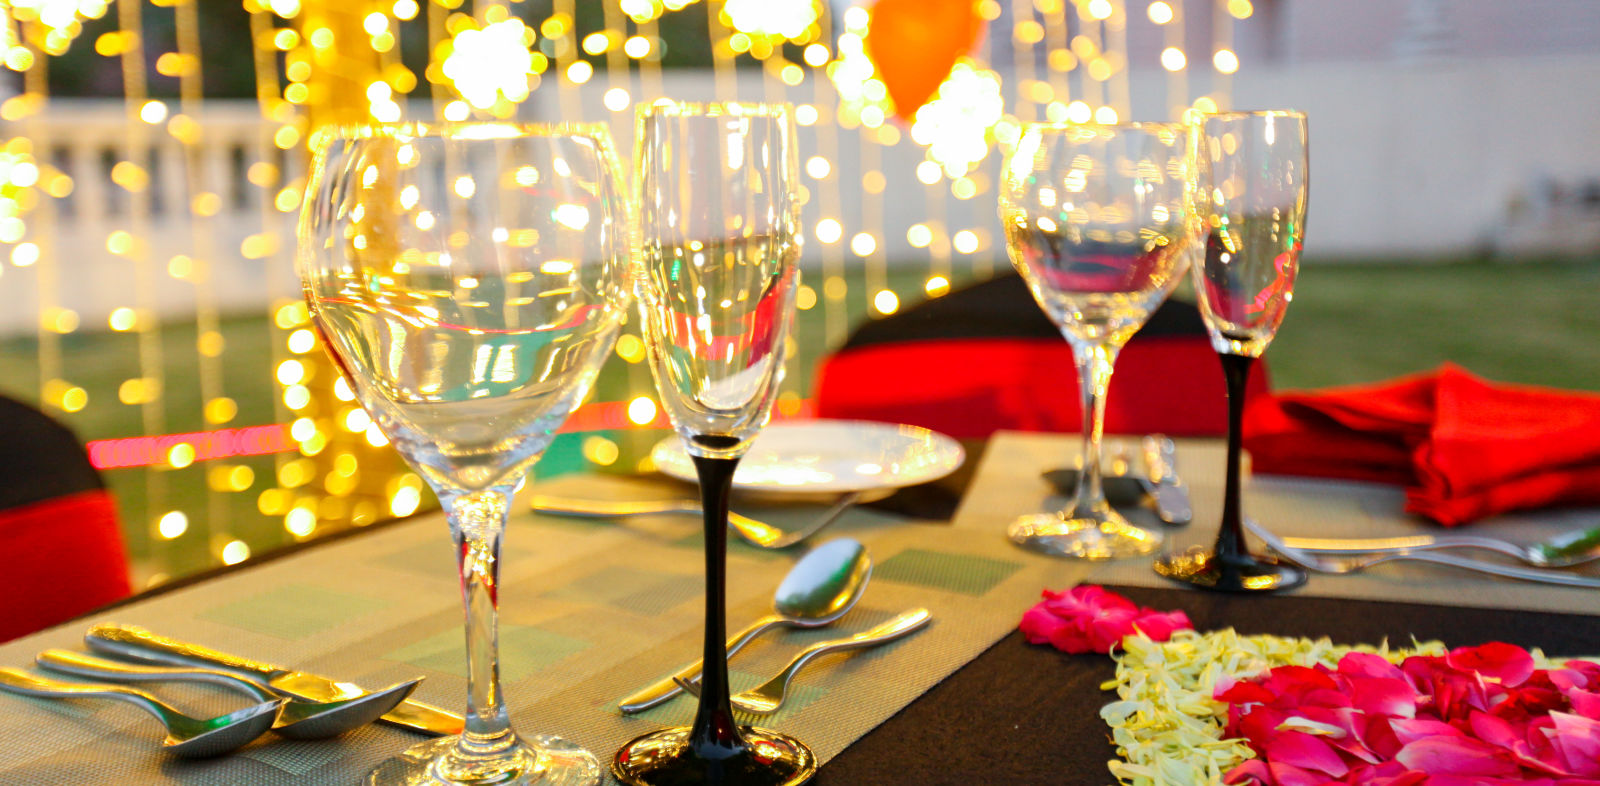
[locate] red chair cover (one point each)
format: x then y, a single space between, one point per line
971 387
59 558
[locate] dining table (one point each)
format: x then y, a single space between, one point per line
591 610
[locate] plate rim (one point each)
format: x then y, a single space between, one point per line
672 440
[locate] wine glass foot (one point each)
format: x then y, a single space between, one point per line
540 760
1085 537
1243 573
665 758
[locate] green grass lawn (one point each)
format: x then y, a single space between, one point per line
1528 322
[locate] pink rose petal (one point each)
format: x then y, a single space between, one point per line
1577 739
1305 751
1455 755
1508 663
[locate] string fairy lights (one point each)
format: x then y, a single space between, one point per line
320 62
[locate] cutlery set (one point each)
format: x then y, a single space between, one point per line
295 705
819 590
822 587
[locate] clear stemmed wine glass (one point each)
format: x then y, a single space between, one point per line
719 243
1097 224
1250 196
469 281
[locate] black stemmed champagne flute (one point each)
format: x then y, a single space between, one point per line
718 246
1250 194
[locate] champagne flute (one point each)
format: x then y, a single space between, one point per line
1250 196
719 243
469 281
1097 224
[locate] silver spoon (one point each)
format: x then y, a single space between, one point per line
822 587
299 720
187 737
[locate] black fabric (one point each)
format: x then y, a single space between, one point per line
39 458
1001 307
1027 714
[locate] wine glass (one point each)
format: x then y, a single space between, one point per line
469 280
1250 196
719 242
1096 222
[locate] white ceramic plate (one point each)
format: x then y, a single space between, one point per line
829 456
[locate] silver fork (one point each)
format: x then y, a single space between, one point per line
1357 562
1563 551
756 533
769 696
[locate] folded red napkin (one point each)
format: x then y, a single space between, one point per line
1464 447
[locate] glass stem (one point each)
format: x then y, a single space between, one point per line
1094 363
715 736
477 523
1230 547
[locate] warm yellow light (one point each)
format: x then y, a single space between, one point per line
153 112
296 397
829 231
492 64
291 372
25 254
816 55
74 399
579 72
785 18
600 451
919 235
180 455
342 391
221 410
596 43
1240 9
119 242
863 244
405 9
886 302
235 552
405 501
965 241
1172 59
465 187
817 167
617 99
805 298
929 172
936 286
1079 112
123 319
1226 61
1099 9
357 420
300 522
964 188
636 47
457 111
172 524
1106 115
805 114
302 341
1160 12
873 182
62 320
642 410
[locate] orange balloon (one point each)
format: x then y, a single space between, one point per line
913 45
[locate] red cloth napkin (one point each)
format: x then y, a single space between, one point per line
1463 447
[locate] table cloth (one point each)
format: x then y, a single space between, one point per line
593 609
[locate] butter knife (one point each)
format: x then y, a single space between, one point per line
1170 495
138 644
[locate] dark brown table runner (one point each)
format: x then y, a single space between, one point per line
1027 714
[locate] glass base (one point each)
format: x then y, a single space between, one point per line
1091 537
543 760
1244 573
665 758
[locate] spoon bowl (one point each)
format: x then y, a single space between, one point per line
301 719
823 586
187 736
